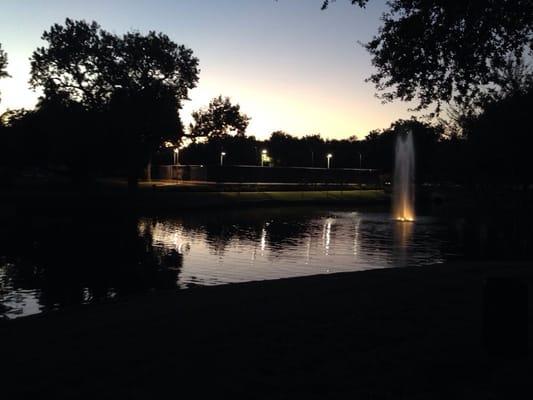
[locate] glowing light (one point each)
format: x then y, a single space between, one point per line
405 219
404 183
264 157
329 158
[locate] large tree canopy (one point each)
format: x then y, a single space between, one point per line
3 64
89 65
132 86
440 51
499 139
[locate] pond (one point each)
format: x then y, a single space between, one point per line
54 262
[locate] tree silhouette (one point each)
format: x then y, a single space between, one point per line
219 119
140 122
287 150
3 64
137 81
516 77
72 65
499 140
88 64
43 137
360 3
436 52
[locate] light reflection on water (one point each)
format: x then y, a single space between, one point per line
84 261
278 248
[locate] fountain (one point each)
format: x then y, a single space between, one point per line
403 201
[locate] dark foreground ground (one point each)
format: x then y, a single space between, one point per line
410 333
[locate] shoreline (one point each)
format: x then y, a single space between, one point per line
390 333
149 200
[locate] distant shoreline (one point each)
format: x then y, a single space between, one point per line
165 200
111 196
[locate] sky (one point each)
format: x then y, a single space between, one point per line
289 65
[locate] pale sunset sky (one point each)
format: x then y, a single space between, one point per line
290 66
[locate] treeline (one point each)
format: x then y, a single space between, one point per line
376 151
490 146
111 106
487 145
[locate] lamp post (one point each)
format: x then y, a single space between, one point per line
263 157
328 157
360 160
222 154
176 156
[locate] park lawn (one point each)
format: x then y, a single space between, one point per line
400 333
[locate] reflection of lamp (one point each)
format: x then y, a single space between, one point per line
328 157
326 234
222 154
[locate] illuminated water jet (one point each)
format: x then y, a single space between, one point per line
403 201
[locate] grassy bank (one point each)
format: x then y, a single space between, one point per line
168 200
165 199
411 333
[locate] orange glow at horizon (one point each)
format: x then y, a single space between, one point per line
290 66
297 111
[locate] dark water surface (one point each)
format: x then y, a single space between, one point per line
48 263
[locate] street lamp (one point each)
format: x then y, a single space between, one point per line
176 156
264 156
222 154
360 160
329 158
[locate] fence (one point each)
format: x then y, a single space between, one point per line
251 173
